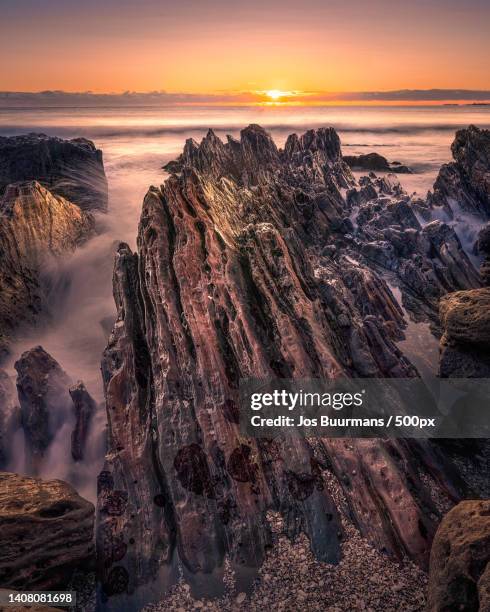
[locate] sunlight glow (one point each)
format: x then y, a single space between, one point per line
277 94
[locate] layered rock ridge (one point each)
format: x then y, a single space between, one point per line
465 183
35 227
246 268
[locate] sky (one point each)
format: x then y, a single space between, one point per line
232 46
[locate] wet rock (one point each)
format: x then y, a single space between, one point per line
72 169
84 407
46 533
375 161
45 403
465 183
35 227
459 578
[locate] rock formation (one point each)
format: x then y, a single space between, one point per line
72 169
459 576
9 418
45 403
483 249
85 408
248 266
34 226
465 345
465 183
46 532
376 162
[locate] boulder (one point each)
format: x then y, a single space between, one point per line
46 532
72 169
465 319
375 161
459 576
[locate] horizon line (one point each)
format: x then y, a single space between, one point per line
251 97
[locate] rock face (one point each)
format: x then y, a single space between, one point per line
35 225
72 169
465 345
44 402
376 162
466 181
85 408
46 532
247 267
459 576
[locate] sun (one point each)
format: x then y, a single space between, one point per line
276 94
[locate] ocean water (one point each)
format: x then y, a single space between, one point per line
136 143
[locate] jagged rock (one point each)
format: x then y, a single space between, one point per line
465 318
460 557
85 408
231 281
34 226
72 169
46 532
465 182
9 418
375 161
45 403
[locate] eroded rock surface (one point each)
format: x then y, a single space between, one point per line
72 169
465 345
248 266
465 183
459 576
35 225
46 532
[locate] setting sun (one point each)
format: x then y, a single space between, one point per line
277 94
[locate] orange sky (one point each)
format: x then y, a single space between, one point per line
227 45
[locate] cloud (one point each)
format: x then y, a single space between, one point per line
56 98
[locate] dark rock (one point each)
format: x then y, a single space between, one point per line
35 226
72 169
369 161
465 183
46 533
483 248
460 557
375 161
85 408
45 403
9 418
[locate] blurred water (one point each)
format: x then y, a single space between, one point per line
136 142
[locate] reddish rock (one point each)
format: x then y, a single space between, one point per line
459 577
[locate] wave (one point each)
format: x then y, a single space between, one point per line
192 129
